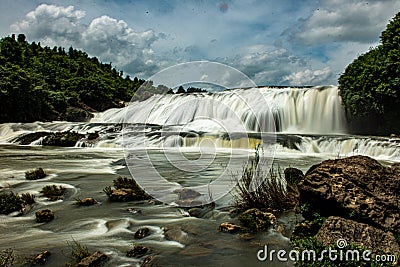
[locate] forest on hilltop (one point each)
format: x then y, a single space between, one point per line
43 83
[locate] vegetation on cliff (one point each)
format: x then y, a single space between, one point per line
370 85
43 83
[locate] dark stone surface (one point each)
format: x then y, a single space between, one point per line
41 257
142 233
137 251
44 216
257 220
94 260
377 240
356 187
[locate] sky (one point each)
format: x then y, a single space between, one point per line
273 42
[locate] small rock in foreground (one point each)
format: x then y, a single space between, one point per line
41 258
44 216
137 251
96 259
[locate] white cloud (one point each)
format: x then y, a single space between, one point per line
346 20
56 25
113 40
109 39
266 65
308 77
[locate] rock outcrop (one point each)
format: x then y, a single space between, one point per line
356 187
336 228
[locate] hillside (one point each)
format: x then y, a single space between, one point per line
43 83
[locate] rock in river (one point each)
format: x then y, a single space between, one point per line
357 187
336 228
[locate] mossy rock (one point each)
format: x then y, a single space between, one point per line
35 174
257 220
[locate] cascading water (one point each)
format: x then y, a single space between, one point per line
313 117
315 110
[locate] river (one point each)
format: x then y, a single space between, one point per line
189 140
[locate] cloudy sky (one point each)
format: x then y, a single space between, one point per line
285 42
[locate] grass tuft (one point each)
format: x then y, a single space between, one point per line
269 190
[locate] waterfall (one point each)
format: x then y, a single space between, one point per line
316 110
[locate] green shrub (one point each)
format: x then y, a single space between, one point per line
10 202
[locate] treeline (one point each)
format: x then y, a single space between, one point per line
370 85
43 83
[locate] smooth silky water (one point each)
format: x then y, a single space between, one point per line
307 134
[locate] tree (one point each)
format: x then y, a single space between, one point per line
21 38
181 90
370 85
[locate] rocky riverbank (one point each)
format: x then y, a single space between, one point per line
354 199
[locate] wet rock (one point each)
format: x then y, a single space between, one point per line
202 211
123 195
186 193
137 251
134 211
150 261
175 233
94 260
257 220
357 187
76 114
41 258
305 229
93 136
62 139
35 174
44 216
142 233
230 228
188 197
87 202
376 240
293 176
28 138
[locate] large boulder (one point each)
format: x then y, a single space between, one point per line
337 228
356 187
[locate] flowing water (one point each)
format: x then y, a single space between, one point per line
298 127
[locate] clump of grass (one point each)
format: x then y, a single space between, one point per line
126 183
11 202
77 251
7 258
27 199
35 174
257 189
125 190
53 192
